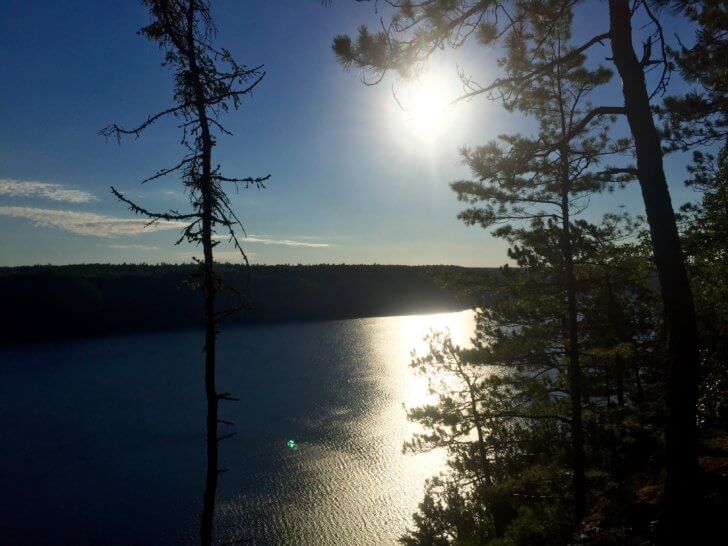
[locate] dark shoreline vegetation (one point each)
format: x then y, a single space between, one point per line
44 303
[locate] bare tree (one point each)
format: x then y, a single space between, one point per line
208 82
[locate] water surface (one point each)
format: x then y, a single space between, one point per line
103 439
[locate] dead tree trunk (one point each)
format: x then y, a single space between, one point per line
203 90
206 184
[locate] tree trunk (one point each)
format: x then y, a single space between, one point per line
574 369
578 461
477 419
680 434
208 504
208 510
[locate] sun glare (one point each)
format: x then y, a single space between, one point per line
428 107
460 327
423 107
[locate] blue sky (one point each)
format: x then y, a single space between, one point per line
354 180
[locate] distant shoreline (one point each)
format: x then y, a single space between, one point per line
56 303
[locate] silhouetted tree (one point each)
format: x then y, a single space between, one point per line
502 409
208 82
419 28
548 178
698 120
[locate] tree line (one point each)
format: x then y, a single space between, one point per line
65 302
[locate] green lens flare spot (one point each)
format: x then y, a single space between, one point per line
292 444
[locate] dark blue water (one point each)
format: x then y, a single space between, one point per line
103 439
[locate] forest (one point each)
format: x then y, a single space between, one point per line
591 405
45 303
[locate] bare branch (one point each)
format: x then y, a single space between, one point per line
171 215
165 172
117 131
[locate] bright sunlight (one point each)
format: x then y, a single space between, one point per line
422 109
428 107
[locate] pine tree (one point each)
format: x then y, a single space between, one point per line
419 28
546 178
699 117
208 82
534 188
502 408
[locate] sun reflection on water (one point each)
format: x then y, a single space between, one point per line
415 329
398 340
355 485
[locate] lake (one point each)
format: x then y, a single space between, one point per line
103 439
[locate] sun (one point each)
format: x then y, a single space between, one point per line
421 113
426 107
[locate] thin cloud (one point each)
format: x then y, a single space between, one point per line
134 247
88 223
55 192
268 241
285 242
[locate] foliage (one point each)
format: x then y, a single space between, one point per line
700 116
576 332
705 229
553 386
501 408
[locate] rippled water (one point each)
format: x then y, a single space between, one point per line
102 440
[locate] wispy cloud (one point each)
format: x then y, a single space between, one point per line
268 241
87 223
285 242
134 247
55 192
